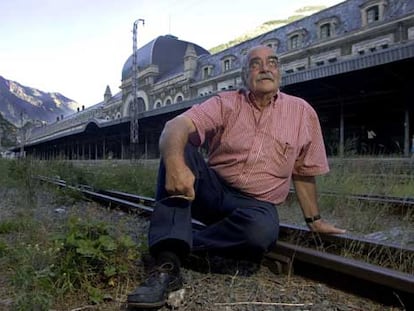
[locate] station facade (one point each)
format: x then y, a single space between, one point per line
352 62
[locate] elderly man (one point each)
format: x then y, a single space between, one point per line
259 139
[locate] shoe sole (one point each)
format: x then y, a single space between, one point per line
153 305
146 305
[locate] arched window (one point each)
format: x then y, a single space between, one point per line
372 14
327 27
294 42
228 63
325 31
207 71
157 104
141 104
296 39
373 11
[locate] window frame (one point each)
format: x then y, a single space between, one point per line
296 39
332 24
379 6
227 63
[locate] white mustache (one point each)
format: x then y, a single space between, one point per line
265 76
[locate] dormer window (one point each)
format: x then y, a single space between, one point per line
325 31
372 11
327 27
296 39
207 70
294 42
244 51
372 14
227 63
271 43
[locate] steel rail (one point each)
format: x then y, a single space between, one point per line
338 242
143 203
384 285
394 281
367 197
404 201
335 241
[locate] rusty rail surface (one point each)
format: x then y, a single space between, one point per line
388 283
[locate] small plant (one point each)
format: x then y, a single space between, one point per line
32 277
87 257
90 256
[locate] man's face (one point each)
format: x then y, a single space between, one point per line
263 75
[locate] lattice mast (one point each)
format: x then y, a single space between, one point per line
134 129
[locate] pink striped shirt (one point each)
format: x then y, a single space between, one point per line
258 151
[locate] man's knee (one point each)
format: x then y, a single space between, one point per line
262 232
262 237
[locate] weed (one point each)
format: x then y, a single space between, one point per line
91 255
85 258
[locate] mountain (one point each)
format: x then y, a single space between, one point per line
268 26
21 104
8 134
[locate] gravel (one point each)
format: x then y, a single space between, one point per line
203 291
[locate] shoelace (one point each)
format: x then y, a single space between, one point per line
152 277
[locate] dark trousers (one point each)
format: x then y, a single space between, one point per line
236 224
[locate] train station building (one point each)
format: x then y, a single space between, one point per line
352 62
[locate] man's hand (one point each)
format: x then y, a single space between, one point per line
180 181
322 226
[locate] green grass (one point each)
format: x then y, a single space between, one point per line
127 177
80 257
54 264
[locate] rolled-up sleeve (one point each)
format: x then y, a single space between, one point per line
207 118
312 159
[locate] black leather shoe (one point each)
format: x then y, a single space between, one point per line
153 292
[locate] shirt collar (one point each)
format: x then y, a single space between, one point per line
250 97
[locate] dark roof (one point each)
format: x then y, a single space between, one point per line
167 52
347 13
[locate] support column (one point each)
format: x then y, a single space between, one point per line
146 146
341 130
406 132
122 149
103 148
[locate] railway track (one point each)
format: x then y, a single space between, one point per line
372 198
313 255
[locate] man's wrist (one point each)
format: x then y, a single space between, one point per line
310 220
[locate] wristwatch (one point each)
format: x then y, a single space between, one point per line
312 219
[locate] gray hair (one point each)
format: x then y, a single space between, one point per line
245 64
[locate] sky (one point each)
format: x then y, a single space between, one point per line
78 47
